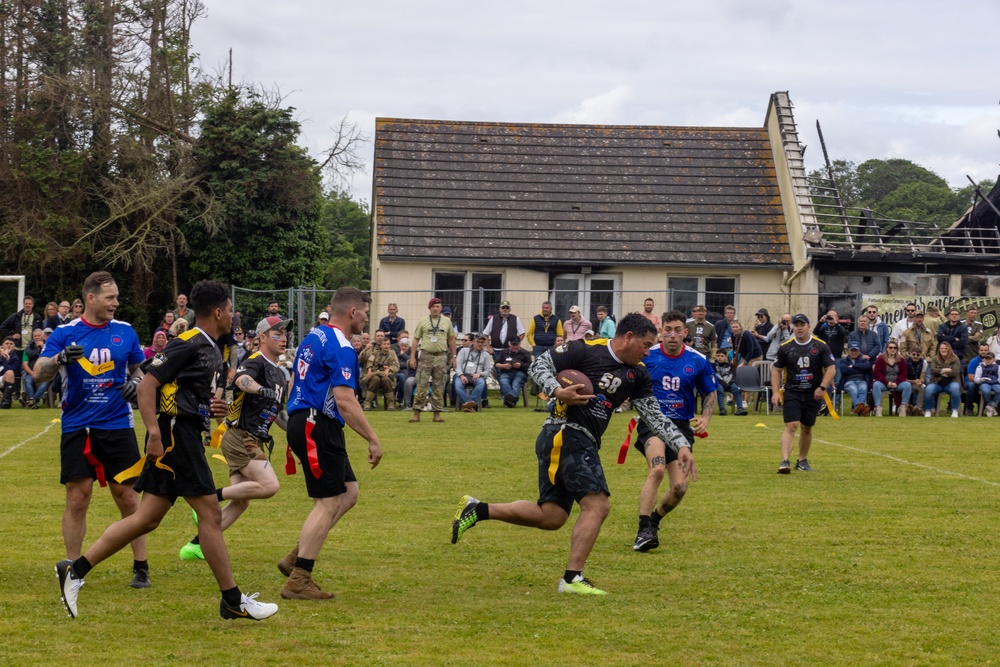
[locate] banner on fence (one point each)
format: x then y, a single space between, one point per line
891 307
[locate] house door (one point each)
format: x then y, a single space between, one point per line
587 291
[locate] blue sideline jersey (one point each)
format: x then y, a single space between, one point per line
675 380
325 360
89 397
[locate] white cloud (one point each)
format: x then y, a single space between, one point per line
606 108
886 79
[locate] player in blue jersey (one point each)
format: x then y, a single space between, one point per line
322 400
176 401
97 358
677 372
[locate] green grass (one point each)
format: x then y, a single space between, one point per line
868 561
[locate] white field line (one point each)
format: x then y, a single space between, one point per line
898 460
37 435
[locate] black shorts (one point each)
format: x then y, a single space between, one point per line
322 452
800 406
578 470
116 450
643 433
183 469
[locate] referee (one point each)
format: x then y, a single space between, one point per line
809 369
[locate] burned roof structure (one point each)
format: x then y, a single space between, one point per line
840 238
545 194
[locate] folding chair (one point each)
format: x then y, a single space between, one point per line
748 378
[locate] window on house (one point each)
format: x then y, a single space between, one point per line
974 285
716 292
932 285
472 296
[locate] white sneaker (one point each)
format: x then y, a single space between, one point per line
69 585
954 414
991 411
878 411
249 608
901 410
927 413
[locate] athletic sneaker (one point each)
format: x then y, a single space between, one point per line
69 585
580 585
140 579
954 414
646 539
785 468
249 609
191 551
803 465
465 517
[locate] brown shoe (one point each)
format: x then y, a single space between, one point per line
469 406
287 564
437 417
300 586
416 417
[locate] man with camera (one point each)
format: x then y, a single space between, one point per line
778 335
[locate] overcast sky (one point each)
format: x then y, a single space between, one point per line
913 79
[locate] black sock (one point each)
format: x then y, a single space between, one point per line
195 540
140 565
571 575
644 521
233 597
482 511
81 567
306 564
218 494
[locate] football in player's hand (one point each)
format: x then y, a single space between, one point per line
569 377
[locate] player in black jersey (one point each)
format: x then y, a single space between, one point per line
808 368
569 467
176 401
247 443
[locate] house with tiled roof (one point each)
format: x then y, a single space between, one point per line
587 214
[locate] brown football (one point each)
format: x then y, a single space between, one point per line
570 377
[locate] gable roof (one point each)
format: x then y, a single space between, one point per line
532 194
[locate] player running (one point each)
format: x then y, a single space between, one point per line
676 371
322 400
569 467
809 369
94 356
247 442
176 401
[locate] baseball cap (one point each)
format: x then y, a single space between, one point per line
433 302
853 346
324 315
763 311
480 336
514 341
800 318
446 310
272 322
574 309
505 304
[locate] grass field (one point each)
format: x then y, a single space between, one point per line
886 555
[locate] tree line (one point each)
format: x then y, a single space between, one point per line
893 189
118 152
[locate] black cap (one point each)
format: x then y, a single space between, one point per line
800 318
763 311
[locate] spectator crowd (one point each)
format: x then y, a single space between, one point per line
919 362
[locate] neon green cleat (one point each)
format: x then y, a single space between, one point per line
579 585
465 517
191 551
